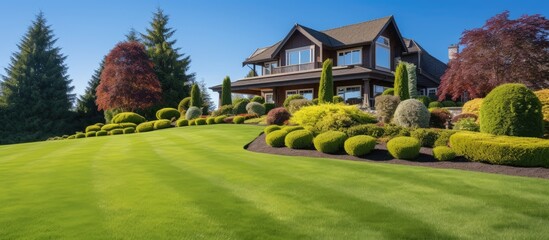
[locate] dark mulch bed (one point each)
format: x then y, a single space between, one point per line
425 159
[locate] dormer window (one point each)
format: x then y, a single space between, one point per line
383 53
299 56
349 57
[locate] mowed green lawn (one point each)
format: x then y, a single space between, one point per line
199 183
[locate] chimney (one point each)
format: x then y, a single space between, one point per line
452 50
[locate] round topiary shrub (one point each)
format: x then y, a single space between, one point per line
239 119
210 120
145 127
276 138
90 134
184 104
117 131
472 106
220 119
268 107
330 141
129 130
290 98
290 129
240 107
435 105
127 124
439 117
192 122
168 113
109 127
404 147
359 145
513 110
162 123
299 139
389 91
425 100
200 121
92 128
271 128
255 108
182 123
448 104
444 153
412 113
385 106
101 133
192 113
338 99
297 104
128 117
278 116
258 99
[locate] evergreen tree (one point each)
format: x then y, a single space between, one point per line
412 79
86 107
251 73
196 97
170 66
226 97
132 36
326 85
207 103
401 82
36 88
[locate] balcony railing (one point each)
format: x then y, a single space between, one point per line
296 68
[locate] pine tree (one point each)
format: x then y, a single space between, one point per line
401 82
326 85
86 107
132 36
170 66
207 103
226 97
36 88
196 97
412 79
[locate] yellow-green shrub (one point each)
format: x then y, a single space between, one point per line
79 135
276 138
91 134
145 127
125 117
109 127
182 123
359 145
271 128
299 139
127 125
117 131
290 129
168 113
425 136
162 123
210 120
220 119
543 96
93 128
330 141
200 121
330 117
504 150
443 153
404 147
239 119
101 133
129 130
472 106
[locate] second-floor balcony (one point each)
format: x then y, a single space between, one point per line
295 68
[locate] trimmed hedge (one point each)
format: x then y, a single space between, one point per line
299 139
255 108
337 99
463 116
271 128
444 153
258 99
448 103
297 104
472 106
162 123
404 147
192 113
504 150
330 141
366 129
145 127
127 124
129 130
412 113
331 117
287 101
239 120
168 113
220 119
79 135
192 122
435 105
467 124
182 123
392 131
101 133
125 117
117 131
240 107
444 138
184 104
276 138
90 134
109 127
223 110
290 129
210 120
278 116
200 121
359 145
426 137
92 128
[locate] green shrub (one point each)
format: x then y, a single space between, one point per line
425 100
239 119
504 150
182 123
192 122
444 137
513 110
472 106
467 124
326 84
220 119
71 137
268 107
330 141
255 108
200 121
79 135
226 97
290 129
290 98
435 105
99 124
125 117
276 138
258 99
210 120
366 129
448 104
184 104
278 116
129 130
192 113
297 104
385 106
315 101
325 117
338 99
392 131
444 153
145 127
404 147
101 133
110 113
359 145
299 139
117 131
240 107
456 118
127 124
109 127
402 89
439 117
389 92
411 113
271 128
162 123
168 113
459 104
426 137
91 134
223 110
92 128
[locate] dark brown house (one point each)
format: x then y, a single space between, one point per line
365 56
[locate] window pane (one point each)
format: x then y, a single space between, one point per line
293 58
355 57
378 90
305 56
383 57
341 59
307 94
353 92
348 58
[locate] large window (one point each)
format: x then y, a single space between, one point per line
351 94
306 93
299 55
431 92
383 53
378 90
349 57
268 97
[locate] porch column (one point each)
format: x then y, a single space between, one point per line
366 94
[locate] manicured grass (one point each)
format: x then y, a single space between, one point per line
199 183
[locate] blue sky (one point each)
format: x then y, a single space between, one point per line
219 35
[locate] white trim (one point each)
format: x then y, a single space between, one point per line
311 57
350 50
299 90
265 97
436 91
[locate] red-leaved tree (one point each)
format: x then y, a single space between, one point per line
502 51
128 81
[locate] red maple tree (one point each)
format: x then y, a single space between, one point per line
128 81
502 51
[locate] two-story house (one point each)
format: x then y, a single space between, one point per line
364 55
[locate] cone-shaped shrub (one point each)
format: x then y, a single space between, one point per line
326 85
196 98
226 98
401 82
